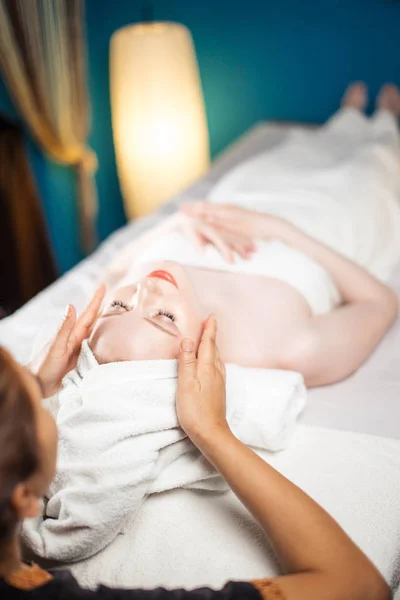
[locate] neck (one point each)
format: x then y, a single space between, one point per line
10 558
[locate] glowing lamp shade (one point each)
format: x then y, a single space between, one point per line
159 123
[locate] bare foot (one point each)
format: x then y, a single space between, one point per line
389 99
356 96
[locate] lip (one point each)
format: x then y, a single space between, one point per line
160 274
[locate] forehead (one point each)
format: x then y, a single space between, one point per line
130 337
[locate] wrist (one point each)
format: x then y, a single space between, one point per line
211 438
47 388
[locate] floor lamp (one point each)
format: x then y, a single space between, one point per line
158 115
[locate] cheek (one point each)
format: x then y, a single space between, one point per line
192 322
108 341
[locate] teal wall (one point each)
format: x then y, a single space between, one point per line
259 59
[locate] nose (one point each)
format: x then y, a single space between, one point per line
148 285
147 288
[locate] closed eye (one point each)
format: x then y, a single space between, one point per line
114 308
166 314
120 304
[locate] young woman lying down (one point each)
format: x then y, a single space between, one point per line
322 211
315 225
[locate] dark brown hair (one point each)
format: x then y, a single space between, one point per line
19 454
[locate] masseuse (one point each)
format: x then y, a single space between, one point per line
319 560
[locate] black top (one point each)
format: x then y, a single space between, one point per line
64 586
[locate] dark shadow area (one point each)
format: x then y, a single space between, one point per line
27 264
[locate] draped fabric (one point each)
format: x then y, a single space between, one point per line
42 58
26 264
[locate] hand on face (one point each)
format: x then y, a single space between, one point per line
201 399
228 243
147 320
60 355
235 220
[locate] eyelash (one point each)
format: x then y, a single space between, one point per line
164 313
118 303
159 312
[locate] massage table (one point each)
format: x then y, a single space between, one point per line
345 452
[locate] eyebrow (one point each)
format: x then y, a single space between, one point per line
157 326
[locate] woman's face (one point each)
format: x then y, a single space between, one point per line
147 320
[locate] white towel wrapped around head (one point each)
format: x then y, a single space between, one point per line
120 440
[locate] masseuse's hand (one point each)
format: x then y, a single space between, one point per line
236 220
60 355
200 400
228 243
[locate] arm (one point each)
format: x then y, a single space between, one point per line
331 347
319 558
326 348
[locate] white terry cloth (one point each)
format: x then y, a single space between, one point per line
119 440
188 539
340 184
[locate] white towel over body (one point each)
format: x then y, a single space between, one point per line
343 191
119 440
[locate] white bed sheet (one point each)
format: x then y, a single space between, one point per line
346 452
191 539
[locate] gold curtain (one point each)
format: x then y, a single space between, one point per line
42 58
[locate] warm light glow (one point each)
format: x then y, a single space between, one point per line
159 123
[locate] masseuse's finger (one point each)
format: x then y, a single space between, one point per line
208 350
223 370
88 317
187 362
219 364
59 345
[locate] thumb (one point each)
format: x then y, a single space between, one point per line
60 343
187 361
